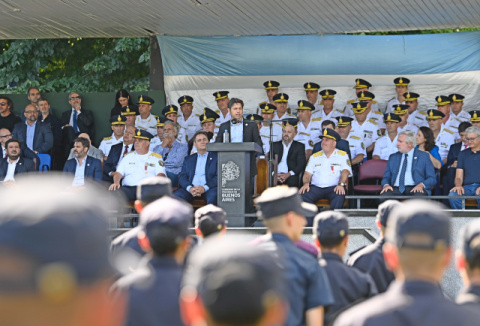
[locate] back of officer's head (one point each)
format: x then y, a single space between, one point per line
420 232
469 246
151 189
54 254
165 224
330 229
210 220
384 211
228 282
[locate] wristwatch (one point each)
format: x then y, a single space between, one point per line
342 184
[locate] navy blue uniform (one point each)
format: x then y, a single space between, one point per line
470 296
154 290
348 284
370 260
308 285
409 303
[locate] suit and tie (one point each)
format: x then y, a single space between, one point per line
24 165
422 171
185 178
110 165
296 160
85 121
250 134
42 138
93 168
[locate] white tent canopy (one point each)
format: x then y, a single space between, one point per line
26 19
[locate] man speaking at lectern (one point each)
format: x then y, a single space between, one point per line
240 130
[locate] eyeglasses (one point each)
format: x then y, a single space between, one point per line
471 139
10 135
29 112
74 98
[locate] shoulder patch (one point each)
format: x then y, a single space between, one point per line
341 152
422 112
198 115
317 154
217 111
291 115
372 121
355 137
350 102
378 112
156 155
107 138
317 119
374 102
449 131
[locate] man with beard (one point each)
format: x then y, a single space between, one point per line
117 153
14 164
83 166
36 135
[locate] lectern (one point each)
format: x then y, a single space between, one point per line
234 181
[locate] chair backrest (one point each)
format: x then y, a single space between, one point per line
372 169
45 162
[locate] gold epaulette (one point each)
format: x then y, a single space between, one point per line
156 155
107 138
217 111
378 112
350 102
422 112
317 119
317 154
449 131
374 102
355 137
341 152
373 121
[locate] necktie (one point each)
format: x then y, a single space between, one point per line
125 152
466 146
75 125
401 181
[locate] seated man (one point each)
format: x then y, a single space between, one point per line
172 151
467 177
92 150
35 134
14 164
83 166
327 173
344 143
410 171
387 144
117 153
118 127
291 155
6 135
199 173
170 112
137 165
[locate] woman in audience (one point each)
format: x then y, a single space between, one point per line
426 143
122 98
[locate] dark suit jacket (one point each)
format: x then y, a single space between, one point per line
85 121
93 169
24 165
185 177
42 138
296 160
55 126
110 165
250 134
448 173
342 145
422 170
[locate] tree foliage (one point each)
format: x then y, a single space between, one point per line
83 65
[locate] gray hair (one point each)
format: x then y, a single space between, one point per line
409 137
175 125
473 130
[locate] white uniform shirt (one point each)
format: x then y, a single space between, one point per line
285 116
149 124
189 126
107 143
384 147
408 127
418 119
265 135
154 142
331 116
455 120
348 111
391 103
326 171
222 119
444 140
376 116
356 146
308 135
368 131
135 167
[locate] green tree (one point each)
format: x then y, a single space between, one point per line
84 65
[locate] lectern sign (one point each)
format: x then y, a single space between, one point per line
230 172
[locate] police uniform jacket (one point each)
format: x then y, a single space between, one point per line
189 126
368 131
342 144
107 143
154 290
111 163
321 114
349 285
444 140
418 119
391 103
149 124
370 260
409 303
408 127
384 147
356 146
135 167
308 285
285 116
326 171
310 134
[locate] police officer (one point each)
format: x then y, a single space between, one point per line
404 125
415 116
468 264
283 213
130 114
118 127
154 287
377 116
355 143
401 87
311 93
158 139
443 104
475 118
137 165
145 120
227 283
327 112
370 259
268 111
280 100
188 121
221 97
210 220
367 130
327 173
208 121
418 251
308 129
349 285
55 267
271 88
360 85
387 144
457 115
444 137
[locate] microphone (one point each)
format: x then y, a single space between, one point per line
234 121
